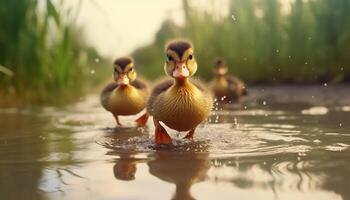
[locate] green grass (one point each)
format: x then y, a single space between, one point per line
43 57
310 44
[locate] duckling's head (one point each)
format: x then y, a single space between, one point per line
220 67
180 63
124 72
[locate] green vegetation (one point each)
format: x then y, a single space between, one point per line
263 43
43 58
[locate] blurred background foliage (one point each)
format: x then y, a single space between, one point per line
307 43
43 55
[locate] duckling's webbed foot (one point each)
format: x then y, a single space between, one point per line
141 121
161 135
190 134
117 120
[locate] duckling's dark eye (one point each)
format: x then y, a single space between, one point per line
190 57
131 69
169 57
115 70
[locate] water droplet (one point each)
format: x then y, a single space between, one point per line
317 141
97 60
233 17
306 63
264 103
340 124
245 107
92 71
277 51
342 69
325 84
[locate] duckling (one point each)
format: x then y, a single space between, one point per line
126 95
225 87
180 103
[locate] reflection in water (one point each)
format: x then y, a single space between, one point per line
20 150
286 174
173 165
125 169
183 170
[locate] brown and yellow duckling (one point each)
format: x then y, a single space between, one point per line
180 103
126 95
226 87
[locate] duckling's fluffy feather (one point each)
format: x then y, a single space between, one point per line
128 100
180 107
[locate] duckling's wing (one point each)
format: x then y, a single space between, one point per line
109 88
139 84
106 93
157 90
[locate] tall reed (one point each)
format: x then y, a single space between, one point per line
43 57
264 41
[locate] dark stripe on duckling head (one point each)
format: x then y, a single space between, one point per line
219 62
179 46
123 62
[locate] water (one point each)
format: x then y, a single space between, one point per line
280 143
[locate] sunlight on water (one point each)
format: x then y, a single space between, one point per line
315 111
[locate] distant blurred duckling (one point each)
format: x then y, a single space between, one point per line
126 95
180 103
225 87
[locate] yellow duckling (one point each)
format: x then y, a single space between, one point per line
180 103
126 95
226 87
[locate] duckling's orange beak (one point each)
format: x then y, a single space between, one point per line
123 79
221 71
181 71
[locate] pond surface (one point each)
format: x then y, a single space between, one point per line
283 142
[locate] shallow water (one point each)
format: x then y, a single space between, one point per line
279 143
